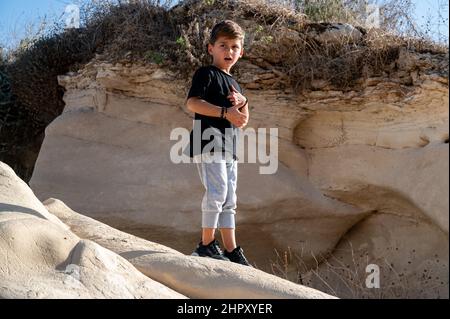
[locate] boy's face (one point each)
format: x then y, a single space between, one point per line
226 52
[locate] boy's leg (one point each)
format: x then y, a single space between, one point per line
207 235
226 221
228 238
213 175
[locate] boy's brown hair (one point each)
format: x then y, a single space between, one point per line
228 29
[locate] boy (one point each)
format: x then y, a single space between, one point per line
220 110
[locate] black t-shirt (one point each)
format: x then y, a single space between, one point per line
213 85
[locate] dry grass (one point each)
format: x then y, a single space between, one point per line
342 273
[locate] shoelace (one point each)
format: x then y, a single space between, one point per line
240 254
216 248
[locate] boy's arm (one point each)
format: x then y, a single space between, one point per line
200 106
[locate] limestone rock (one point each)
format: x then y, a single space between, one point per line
196 277
41 258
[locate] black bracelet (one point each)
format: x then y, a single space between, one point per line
221 112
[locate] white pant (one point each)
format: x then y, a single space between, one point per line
218 174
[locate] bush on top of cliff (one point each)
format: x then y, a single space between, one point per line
327 43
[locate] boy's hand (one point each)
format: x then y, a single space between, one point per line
236 98
236 117
233 115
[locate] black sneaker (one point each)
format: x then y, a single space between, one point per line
211 250
237 256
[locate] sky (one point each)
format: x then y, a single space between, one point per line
16 16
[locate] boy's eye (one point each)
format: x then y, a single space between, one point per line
234 46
